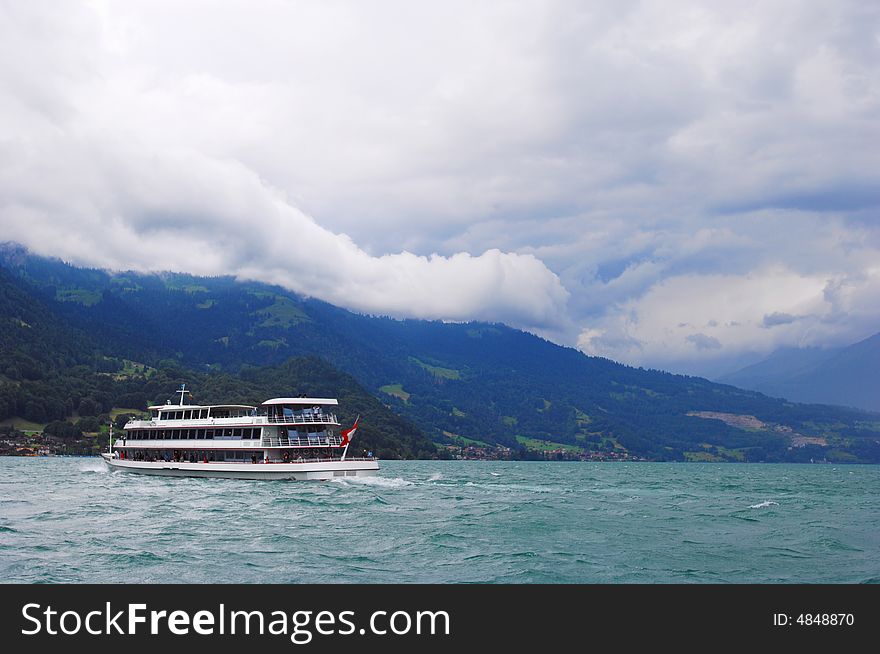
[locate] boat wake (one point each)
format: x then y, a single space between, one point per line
764 505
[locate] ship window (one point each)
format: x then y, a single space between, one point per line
175 434
187 415
163 415
203 414
236 433
200 434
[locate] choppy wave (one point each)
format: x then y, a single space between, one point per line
444 521
381 482
92 466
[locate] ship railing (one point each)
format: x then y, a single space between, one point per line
311 440
298 417
303 417
199 422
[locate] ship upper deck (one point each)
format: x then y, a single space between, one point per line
278 411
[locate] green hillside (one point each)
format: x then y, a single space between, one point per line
55 378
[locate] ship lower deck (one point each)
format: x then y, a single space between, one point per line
323 470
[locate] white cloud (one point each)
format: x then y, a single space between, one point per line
680 319
179 210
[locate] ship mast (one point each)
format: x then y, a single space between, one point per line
182 390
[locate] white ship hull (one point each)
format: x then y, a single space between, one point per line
317 470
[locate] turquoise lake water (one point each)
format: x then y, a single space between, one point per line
71 520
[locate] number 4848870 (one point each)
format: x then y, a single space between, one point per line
825 619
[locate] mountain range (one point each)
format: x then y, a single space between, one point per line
72 334
848 376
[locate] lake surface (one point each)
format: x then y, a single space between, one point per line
71 520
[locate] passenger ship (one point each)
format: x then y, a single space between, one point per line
295 438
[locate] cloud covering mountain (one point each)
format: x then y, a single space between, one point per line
669 184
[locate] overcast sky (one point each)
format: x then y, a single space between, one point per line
683 185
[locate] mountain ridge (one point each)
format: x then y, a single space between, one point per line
845 376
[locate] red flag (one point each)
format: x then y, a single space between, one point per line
348 433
